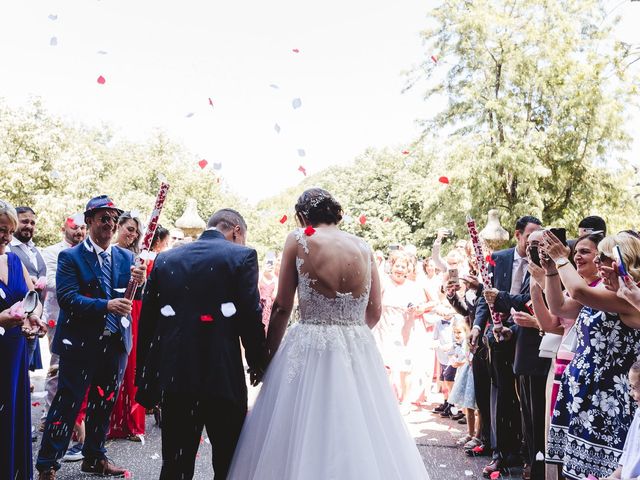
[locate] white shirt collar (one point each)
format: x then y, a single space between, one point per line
17 243
516 256
97 248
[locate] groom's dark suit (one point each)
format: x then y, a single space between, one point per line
189 355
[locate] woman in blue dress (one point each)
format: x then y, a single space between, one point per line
594 410
15 408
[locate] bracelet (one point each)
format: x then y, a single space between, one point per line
551 274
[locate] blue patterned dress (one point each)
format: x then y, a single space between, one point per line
15 408
594 410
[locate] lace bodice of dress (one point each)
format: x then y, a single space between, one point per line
319 309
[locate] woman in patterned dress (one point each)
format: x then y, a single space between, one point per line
593 410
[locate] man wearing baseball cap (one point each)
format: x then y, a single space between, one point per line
93 340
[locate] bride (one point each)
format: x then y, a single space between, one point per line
326 409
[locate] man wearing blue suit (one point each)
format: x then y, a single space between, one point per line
510 290
93 339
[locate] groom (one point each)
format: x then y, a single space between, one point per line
201 299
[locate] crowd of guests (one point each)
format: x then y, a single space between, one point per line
542 368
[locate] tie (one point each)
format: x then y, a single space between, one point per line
516 282
112 321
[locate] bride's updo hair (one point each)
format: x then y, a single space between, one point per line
318 206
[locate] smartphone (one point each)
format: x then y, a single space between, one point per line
622 268
453 276
534 253
561 234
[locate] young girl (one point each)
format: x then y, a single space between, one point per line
463 394
629 468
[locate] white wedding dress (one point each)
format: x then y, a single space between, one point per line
326 410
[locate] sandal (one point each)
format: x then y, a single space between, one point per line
464 440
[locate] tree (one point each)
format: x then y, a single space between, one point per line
537 92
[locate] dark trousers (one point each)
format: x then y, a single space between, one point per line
102 375
183 418
482 385
505 408
532 405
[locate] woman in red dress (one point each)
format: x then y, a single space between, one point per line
128 417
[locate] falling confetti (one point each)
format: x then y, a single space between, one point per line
405 152
274 86
347 218
101 80
190 114
539 457
210 102
167 311
228 309
35 404
302 170
55 175
444 180
468 473
155 456
53 41
296 103
119 290
52 16
283 219
206 318
66 341
454 410
102 52
295 50
217 165
309 231
203 163
434 58
51 323
100 391
276 127
125 322
2 294
494 475
110 397
135 213
301 152
362 219
490 260
56 423
1 331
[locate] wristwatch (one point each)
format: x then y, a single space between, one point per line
561 262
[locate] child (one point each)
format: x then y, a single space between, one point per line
443 340
629 468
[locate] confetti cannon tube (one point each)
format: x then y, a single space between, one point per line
482 266
148 236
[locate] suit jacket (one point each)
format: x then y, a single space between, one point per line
186 344
83 301
527 340
41 271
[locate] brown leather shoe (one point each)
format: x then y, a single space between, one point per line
103 467
47 474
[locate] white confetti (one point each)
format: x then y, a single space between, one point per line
78 219
155 456
454 410
190 114
276 127
301 152
53 16
125 322
207 441
468 473
217 165
2 294
66 342
120 290
1 331
296 103
135 213
539 457
228 309
53 41
274 86
442 465
167 311
54 174
101 52
347 218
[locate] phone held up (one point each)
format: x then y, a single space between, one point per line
622 268
560 234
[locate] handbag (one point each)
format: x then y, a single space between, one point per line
570 341
549 345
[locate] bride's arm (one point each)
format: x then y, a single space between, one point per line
374 308
282 305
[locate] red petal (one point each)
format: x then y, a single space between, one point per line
210 102
111 395
309 231
363 219
203 163
57 423
295 50
490 260
444 180
51 323
101 80
283 220
100 391
206 318
434 58
405 152
494 475
303 170
35 404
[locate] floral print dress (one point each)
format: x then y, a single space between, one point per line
594 410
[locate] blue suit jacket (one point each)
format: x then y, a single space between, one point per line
83 301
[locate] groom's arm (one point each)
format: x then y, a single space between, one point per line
250 312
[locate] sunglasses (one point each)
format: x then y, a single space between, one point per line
106 218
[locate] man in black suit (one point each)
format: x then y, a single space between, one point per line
511 290
201 299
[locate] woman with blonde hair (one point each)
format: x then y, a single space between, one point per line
15 327
593 410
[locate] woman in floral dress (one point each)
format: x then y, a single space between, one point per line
594 410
